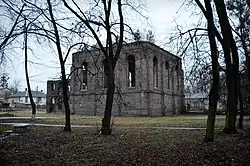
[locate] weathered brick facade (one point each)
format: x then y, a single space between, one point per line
54 98
157 88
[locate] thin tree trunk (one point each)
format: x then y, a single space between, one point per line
106 128
241 111
67 126
214 92
33 105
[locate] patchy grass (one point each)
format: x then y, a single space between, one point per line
178 121
4 128
51 146
162 121
6 114
27 113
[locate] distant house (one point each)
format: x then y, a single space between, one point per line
196 102
23 98
199 102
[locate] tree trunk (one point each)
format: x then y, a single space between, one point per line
234 89
33 105
232 66
67 126
241 111
248 3
214 92
106 128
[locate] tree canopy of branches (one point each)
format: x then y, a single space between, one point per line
240 11
111 49
137 35
4 80
223 56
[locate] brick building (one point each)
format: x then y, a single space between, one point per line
149 81
54 97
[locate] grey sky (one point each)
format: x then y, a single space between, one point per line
161 14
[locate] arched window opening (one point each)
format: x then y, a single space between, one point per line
155 72
131 71
177 76
84 75
84 86
69 88
177 67
53 101
167 65
106 71
168 74
53 86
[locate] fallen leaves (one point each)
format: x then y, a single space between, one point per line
44 145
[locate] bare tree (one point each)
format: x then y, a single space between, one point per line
111 50
67 126
9 35
214 92
6 38
239 10
4 80
33 105
232 66
150 36
15 86
137 35
231 60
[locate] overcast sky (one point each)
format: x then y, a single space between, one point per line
161 14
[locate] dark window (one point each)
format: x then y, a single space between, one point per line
155 72
39 99
26 99
168 74
106 70
53 86
60 103
177 76
131 71
84 75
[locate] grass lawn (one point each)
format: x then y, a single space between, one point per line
166 121
27 113
179 121
51 146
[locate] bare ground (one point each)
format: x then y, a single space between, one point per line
51 146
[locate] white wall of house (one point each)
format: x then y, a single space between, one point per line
201 104
26 100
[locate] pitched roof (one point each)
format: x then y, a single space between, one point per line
197 96
23 94
3 88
